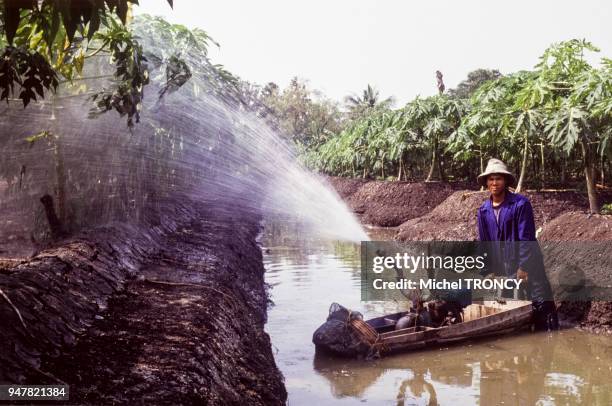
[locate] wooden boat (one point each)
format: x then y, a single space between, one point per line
488 318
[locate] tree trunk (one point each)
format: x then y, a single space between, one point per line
441 174
55 225
542 166
563 176
61 181
481 166
22 172
519 186
401 167
435 166
603 171
589 172
534 165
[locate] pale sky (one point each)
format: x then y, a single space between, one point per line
340 46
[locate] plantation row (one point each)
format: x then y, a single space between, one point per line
552 125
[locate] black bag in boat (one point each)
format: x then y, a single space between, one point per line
344 333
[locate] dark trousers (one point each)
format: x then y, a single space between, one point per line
544 308
545 315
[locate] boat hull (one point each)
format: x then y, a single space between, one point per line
483 319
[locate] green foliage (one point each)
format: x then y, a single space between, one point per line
371 144
555 117
45 39
131 73
570 94
73 15
127 178
43 135
606 208
475 79
182 38
180 44
297 112
27 69
369 100
177 74
366 144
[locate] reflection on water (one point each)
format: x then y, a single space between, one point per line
567 368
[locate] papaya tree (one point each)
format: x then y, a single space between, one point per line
578 106
503 121
479 130
523 120
434 119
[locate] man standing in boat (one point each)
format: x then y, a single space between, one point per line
507 218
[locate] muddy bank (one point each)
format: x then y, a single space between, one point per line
579 226
449 205
52 299
559 216
171 315
580 248
455 218
389 204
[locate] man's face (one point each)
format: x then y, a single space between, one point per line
496 184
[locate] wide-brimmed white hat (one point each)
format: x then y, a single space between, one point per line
495 166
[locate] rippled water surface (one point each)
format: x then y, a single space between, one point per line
306 276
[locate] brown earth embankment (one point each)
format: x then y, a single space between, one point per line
439 210
389 204
454 219
172 314
579 248
560 216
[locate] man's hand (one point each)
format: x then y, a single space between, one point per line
520 274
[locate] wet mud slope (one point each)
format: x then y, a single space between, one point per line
50 300
185 325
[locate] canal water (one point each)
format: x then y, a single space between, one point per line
305 276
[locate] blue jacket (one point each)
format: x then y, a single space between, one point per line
517 247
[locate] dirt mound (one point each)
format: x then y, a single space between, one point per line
389 204
56 295
455 218
564 232
580 241
598 318
579 226
346 187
